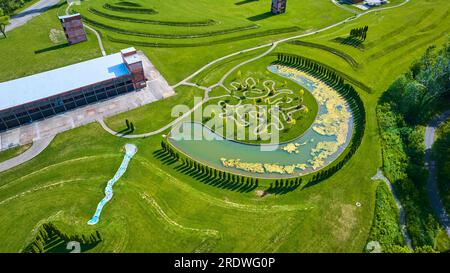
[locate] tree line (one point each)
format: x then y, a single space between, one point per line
360 33
48 232
207 170
337 82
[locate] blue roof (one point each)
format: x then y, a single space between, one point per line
54 82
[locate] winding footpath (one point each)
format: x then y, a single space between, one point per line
379 176
432 187
99 38
37 147
271 46
40 144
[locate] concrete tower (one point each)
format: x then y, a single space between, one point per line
73 28
278 6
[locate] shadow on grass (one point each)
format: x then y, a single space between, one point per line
245 2
351 41
51 48
261 16
233 184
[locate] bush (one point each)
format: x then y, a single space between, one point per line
385 227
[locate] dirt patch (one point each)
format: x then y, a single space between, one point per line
345 223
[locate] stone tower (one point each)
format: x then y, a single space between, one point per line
278 6
73 28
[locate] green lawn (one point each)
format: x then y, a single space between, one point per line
177 63
35 52
13 152
66 181
153 116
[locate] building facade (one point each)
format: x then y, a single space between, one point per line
278 6
47 94
73 28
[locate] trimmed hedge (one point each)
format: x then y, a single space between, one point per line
336 81
153 22
127 4
349 59
208 43
167 36
344 76
129 10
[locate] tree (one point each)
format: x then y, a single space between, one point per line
4 21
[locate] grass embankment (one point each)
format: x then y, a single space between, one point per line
48 49
175 62
154 201
82 160
155 115
13 152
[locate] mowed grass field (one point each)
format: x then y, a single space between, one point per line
158 209
65 183
30 49
177 55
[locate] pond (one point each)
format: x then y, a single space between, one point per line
316 148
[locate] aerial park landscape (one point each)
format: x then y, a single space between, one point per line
225 126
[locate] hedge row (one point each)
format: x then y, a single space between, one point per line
167 36
208 43
344 76
336 81
153 22
349 59
223 179
127 4
48 232
129 10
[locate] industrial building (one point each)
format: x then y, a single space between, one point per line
39 96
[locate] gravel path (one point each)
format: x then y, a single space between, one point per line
432 187
37 148
380 176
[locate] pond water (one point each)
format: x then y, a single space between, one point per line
322 143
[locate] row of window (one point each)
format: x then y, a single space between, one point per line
26 114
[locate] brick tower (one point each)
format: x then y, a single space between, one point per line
278 6
134 63
73 28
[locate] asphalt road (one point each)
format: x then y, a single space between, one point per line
30 12
432 187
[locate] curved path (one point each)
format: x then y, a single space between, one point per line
37 147
220 83
99 38
27 14
432 187
380 176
